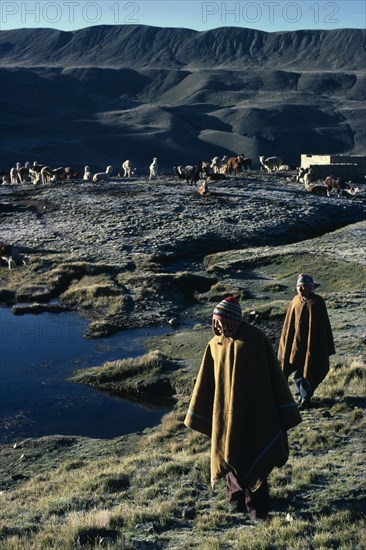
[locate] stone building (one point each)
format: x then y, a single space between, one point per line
342 166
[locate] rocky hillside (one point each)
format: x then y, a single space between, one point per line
103 94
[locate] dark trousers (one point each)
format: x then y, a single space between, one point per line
242 499
302 389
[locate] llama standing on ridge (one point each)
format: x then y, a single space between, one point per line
154 170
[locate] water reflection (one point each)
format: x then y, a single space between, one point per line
37 354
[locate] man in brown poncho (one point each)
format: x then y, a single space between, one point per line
241 400
306 341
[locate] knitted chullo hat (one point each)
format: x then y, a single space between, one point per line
229 313
228 310
303 279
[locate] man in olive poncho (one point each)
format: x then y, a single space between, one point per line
241 400
306 341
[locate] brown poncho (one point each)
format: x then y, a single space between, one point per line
306 339
242 401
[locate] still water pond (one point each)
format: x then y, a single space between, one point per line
37 354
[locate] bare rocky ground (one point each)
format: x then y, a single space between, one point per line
165 220
128 253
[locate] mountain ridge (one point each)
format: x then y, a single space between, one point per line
142 46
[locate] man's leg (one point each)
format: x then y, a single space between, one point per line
235 494
302 391
242 499
257 502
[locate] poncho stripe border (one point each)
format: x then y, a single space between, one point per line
198 416
288 405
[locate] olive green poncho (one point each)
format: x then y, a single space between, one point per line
242 401
313 354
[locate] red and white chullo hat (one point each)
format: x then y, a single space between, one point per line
229 313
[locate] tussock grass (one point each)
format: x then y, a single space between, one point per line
347 376
89 288
276 270
127 376
124 368
317 498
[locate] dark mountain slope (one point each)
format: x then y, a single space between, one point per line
103 94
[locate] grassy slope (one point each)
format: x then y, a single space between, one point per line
154 487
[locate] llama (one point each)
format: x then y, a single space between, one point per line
180 172
14 173
271 164
234 164
202 189
316 188
216 164
59 174
101 176
6 254
342 189
70 173
11 255
34 176
194 174
348 193
62 174
247 164
153 169
23 173
190 173
216 177
5 176
128 169
46 175
35 172
88 176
